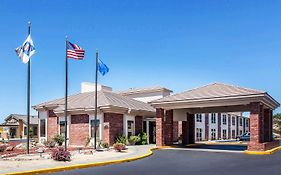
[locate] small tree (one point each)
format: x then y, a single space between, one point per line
59 139
277 122
30 133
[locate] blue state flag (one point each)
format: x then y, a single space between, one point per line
26 50
103 69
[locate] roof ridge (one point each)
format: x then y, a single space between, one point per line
256 90
187 91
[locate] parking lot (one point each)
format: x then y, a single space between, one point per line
167 162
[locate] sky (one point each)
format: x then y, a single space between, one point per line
178 44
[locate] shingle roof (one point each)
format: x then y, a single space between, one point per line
86 100
215 90
141 90
33 118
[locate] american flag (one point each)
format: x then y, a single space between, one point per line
75 52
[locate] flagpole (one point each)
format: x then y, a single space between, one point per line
96 100
28 95
66 93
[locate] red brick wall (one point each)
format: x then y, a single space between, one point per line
191 128
138 124
52 125
168 132
79 130
113 127
176 131
159 127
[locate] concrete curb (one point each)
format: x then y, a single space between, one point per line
268 152
80 166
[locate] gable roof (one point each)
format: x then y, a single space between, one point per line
211 91
86 101
33 118
215 91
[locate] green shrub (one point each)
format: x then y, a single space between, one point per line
119 147
133 140
59 139
104 145
50 144
121 139
143 139
30 133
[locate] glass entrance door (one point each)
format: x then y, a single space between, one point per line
152 132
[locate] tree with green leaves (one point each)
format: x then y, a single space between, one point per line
277 123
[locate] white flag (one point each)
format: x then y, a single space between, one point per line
26 50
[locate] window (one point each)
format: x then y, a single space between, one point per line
144 127
233 134
42 127
233 121
199 134
213 118
62 128
247 122
213 134
25 131
241 132
224 119
224 134
130 127
93 123
198 117
241 121
35 131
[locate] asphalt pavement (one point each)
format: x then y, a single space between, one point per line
181 162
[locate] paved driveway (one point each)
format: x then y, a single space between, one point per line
168 162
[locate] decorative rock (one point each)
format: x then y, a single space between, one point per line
10 148
40 145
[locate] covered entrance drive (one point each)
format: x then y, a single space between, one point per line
216 97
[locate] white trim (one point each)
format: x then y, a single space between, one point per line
127 118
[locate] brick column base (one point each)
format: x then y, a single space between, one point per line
253 146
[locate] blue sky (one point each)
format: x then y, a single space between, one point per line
175 44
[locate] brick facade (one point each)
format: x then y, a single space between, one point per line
164 127
159 127
113 127
169 127
79 130
190 128
175 131
52 125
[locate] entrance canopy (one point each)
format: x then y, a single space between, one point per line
216 97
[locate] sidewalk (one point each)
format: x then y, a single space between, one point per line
10 166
